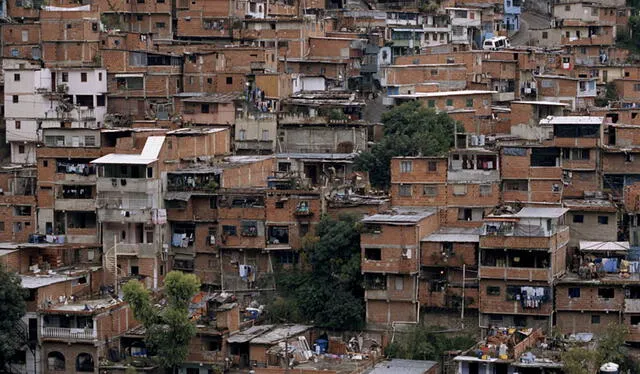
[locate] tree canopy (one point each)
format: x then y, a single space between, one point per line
425 343
12 308
169 329
610 348
410 129
329 294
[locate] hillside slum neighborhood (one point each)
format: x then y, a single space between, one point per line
211 136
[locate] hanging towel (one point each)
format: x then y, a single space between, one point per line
176 240
610 265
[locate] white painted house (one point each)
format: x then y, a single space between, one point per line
36 98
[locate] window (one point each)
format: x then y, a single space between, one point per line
229 80
55 361
485 190
595 319
635 320
83 77
15 99
578 218
204 108
16 77
606 293
242 135
493 290
449 102
280 204
129 83
65 77
469 103
603 220
515 185
18 124
406 166
574 292
373 254
100 77
265 135
90 140
209 80
21 149
459 189
139 17
431 103
160 25
1 226
567 8
433 166
430 191
465 214
84 362
405 190
545 35
229 230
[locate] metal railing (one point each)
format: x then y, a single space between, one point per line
68 333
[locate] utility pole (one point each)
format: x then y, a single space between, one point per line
464 274
115 263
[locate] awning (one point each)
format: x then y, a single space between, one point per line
592 246
181 196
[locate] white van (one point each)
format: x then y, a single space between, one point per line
494 44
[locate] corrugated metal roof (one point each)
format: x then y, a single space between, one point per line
280 333
149 154
152 146
442 94
454 234
33 282
248 334
400 216
115 158
318 156
531 102
529 212
586 245
572 120
397 366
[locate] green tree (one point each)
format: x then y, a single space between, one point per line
611 94
611 348
580 361
169 329
426 343
330 294
410 129
12 308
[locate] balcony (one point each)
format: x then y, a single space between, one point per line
399 266
254 145
632 305
75 204
514 273
140 185
147 250
405 295
65 333
593 40
122 215
503 96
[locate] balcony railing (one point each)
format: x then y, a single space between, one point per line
68 333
